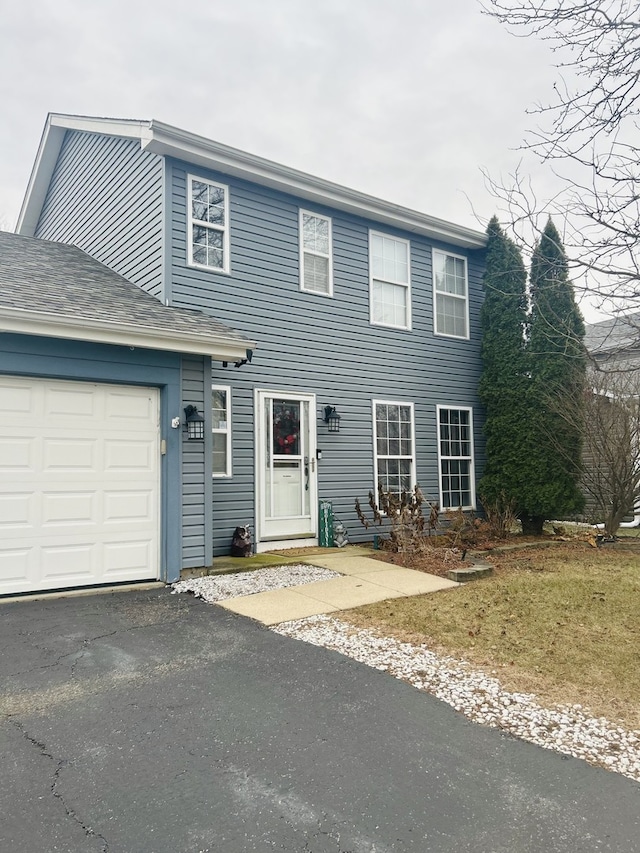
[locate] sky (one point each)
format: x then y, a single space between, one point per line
408 100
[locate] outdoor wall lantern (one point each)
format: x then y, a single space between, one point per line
194 423
332 418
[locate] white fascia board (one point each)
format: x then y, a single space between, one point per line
172 142
169 141
53 134
41 173
19 321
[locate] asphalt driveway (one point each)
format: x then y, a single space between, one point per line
149 723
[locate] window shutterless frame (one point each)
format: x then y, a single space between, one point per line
221 429
316 253
450 295
456 466
207 224
394 449
389 281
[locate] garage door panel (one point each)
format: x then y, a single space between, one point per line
130 506
69 565
16 569
18 398
123 406
69 508
70 454
80 484
126 560
127 455
16 510
70 401
17 453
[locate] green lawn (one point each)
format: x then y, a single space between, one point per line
563 622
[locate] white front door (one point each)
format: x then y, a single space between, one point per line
286 459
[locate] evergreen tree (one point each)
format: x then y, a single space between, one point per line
503 387
556 365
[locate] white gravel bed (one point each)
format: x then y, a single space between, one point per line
567 729
218 587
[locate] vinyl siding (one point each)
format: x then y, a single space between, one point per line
327 346
196 474
106 198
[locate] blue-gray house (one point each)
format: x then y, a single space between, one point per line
349 305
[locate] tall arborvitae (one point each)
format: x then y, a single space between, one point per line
556 365
504 383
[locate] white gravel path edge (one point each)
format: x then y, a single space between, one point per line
565 729
570 729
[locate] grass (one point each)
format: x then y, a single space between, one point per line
562 622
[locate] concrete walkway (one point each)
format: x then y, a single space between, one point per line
364 580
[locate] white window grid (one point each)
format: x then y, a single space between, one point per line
223 429
455 456
215 233
309 254
389 281
391 451
450 295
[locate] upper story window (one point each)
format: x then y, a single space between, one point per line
390 289
394 456
316 274
208 236
455 458
450 295
221 429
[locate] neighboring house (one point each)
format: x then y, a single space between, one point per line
92 373
612 430
359 308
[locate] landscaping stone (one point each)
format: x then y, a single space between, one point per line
471 573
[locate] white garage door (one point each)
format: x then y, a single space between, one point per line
79 484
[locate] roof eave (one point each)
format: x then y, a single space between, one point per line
173 142
25 322
169 141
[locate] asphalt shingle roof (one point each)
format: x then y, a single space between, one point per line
613 335
54 278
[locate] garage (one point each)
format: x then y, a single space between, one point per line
79 484
101 482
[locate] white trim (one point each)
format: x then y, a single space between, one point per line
329 256
471 459
166 140
406 285
374 404
224 230
435 252
226 431
42 324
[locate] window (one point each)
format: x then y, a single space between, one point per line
394 450
450 295
455 455
315 253
390 292
221 429
208 225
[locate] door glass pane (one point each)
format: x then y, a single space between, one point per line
286 428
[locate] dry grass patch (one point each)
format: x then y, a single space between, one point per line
562 622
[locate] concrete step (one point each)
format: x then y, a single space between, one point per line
470 573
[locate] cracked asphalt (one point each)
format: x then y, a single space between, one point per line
141 722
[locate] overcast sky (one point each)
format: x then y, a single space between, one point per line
403 99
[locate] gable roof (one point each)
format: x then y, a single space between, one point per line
166 140
56 290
